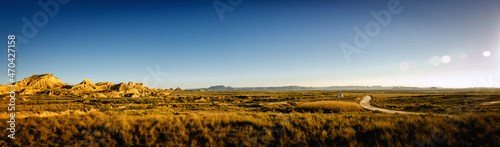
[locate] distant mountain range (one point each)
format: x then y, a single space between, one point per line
290 88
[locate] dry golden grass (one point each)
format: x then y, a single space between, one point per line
330 106
257 129
256 119
438 103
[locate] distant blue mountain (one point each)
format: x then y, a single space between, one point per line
289 88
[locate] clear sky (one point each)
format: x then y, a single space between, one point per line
441 43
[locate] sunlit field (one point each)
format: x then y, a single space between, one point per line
330 106
300 118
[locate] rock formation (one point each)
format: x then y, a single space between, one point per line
85 85
45 81
120 87
50 85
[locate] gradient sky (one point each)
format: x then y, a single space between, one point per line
259 43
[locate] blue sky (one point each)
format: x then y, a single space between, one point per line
259 43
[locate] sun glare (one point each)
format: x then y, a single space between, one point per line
486 53
446 59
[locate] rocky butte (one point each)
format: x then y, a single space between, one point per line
51 85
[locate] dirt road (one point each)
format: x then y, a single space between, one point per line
365 102
490 103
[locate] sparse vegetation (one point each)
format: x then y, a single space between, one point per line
253 129
330 106
448 103
207 118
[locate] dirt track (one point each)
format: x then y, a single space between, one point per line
365 102
490 103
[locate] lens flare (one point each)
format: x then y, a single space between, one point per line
404 66
446 59
435 61
486 53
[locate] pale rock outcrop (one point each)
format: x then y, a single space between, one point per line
85 85
50 85
45 81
